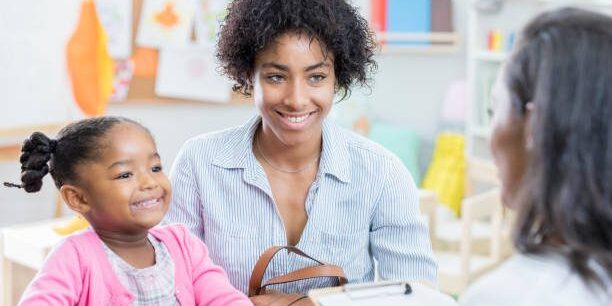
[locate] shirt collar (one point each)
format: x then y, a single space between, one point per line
335 159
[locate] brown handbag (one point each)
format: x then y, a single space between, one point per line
258 293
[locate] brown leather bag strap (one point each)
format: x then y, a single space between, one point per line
264 261
307 273
286 299
260 269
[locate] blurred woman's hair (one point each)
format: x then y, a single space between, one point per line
563 65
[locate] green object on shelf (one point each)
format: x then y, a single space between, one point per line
403 142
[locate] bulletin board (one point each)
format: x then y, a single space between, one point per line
142 84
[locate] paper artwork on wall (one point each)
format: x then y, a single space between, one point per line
189 72
208 17
90 66
116 18
165 23
124 70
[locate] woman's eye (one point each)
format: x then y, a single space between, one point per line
317 78
157 169
275 78
123 176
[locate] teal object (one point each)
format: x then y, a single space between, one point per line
403 142
409 16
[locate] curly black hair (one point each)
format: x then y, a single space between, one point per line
252 25
76 143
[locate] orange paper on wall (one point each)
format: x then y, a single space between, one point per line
90 66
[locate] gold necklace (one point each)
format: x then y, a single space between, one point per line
308 165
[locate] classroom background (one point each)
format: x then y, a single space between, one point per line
153 61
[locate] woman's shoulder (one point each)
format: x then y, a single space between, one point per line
211 139
209 146
532 280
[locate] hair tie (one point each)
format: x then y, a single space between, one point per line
13 185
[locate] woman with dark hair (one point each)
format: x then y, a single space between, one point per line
289 176
552 143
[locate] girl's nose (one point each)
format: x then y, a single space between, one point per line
147 181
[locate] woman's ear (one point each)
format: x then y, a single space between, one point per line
529 109
75 198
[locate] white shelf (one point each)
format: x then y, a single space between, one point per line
424 49
491 56
480 131
418 43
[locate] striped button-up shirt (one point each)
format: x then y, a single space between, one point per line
363 205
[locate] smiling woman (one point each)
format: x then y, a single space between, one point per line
289 176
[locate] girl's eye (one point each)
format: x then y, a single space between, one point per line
123 176
157 169
317 78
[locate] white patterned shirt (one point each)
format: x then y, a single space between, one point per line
151 286
363 205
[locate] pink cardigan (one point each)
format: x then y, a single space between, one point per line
77 272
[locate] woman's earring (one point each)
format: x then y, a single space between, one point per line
529 108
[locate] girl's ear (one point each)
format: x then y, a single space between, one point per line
529 109
75 198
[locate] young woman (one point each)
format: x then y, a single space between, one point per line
552 143
289 176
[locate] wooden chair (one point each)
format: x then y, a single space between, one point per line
478 241
481 175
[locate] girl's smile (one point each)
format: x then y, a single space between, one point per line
147 204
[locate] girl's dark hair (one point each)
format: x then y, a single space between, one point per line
252 25
76 143
563 64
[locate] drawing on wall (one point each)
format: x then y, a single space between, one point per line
36 88
208 17
116 18
165 23
124 70
189 72
90 66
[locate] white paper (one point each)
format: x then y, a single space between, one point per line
165 23
388 296
35 86
116 18
208 17
189 72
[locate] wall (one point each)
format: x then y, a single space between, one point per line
408 91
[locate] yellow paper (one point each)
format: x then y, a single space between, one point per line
446 173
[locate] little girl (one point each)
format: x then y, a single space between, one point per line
108 170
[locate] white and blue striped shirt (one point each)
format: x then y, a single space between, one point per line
362 205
